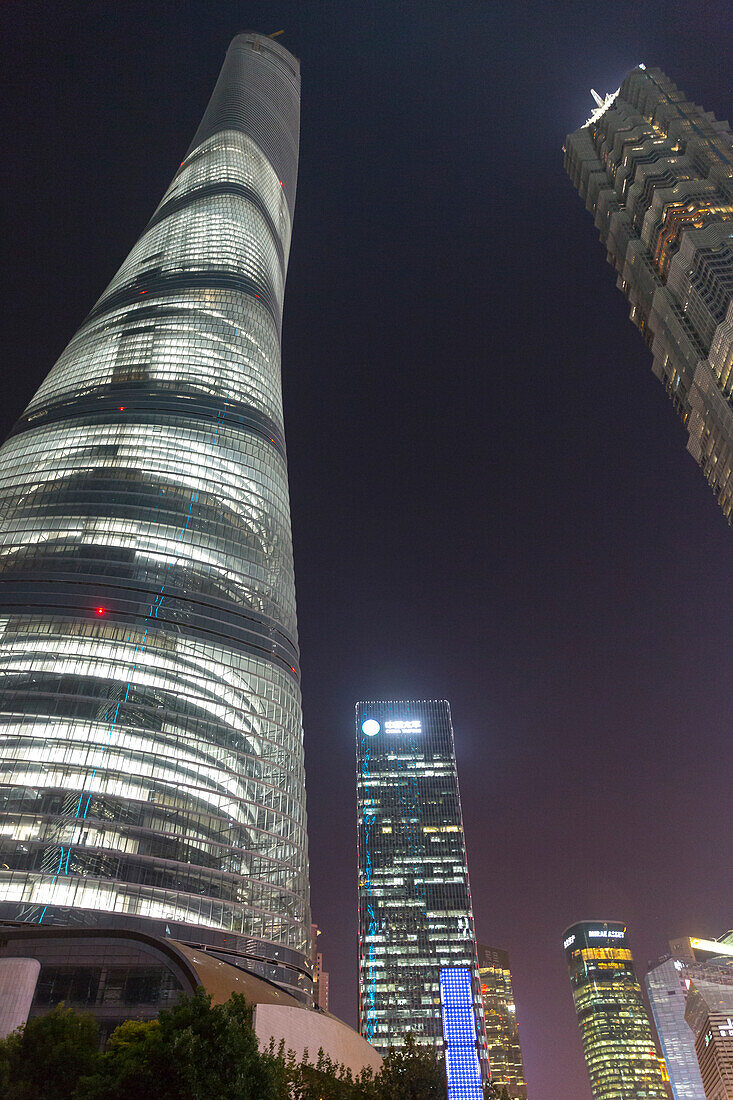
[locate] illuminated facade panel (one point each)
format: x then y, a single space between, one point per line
702 950
151 762
462 1068
656 172
500 1018
415 914
617 1038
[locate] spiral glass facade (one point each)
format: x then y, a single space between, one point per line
151 762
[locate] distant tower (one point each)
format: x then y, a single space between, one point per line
668 983
320 976
151 757
656 172
415 915
322 982
500 1017
709 1012
617 1038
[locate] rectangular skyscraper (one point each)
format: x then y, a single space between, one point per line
151 758
656 171
415 915
500 1018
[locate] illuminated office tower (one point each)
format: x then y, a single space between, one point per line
656 172
500 1018
709 1012
151 761
667 983
617 1038
415 915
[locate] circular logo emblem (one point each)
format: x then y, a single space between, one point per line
370 727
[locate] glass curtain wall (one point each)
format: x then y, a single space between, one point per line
151 762
500 1016
622 1060
415 913
656 172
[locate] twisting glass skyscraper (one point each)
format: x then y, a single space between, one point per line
151 761
656 171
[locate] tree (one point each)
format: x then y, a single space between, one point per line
194 1051
41 1059
412 1073
492 1093
324 1080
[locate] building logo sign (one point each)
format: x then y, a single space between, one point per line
570 940
370 727
409 726
726 1030
606 934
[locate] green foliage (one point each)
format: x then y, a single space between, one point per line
491 1092
39 1061
194 1051
324 1080
412 1073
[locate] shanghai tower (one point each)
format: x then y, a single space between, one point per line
151 759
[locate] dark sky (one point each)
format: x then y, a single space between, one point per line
492 500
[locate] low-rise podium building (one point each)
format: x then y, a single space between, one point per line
119 974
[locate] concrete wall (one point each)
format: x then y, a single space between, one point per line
304 1029
18 979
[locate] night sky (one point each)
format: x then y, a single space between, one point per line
492 500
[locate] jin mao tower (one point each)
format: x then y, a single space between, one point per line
151 762
656 173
